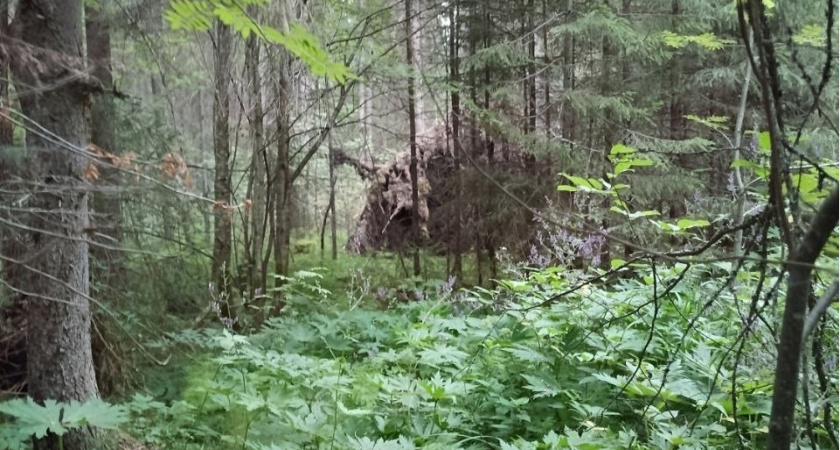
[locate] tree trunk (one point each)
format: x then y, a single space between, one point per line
333 220
259 165
412 136
789 351
60 362
532 70
489 244
455 77
547 74
222 191
282 181
675 109
6 128
107 204
568 115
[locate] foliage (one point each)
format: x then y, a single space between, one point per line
199 16
644 361
32 419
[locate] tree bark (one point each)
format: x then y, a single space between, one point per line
333 219
412 137
282 180
107 204
259 165
60 362
793 322
222 191
455 77
532 70
568 115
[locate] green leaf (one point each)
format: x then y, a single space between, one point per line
198 15
708 41
58 418
95 413
621 149
741 162
764 143
805 182
626 165
685 224
813 35
616 263
581 182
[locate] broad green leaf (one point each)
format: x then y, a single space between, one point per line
621 149
741 162
685 224
805 182
764 144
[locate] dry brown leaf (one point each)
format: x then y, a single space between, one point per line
91 172
219 205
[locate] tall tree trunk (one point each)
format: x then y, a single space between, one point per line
568 115
489 243
455 77
6 128
333 220
107 204
475 203
799 290
222 191
12 239
532 70
259 165
412 136
675 109
606 88
60 362
547 74
282 182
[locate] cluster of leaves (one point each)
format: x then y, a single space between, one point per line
645 361
199 16
31 419
623 159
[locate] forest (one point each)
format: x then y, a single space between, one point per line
419 224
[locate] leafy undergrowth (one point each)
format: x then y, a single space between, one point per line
485 369
648 358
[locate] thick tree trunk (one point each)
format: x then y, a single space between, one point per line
60 363
412 136
222 179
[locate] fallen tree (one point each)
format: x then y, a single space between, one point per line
385 221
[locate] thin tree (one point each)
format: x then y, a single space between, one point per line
412 139
455 77
259 164
222 191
